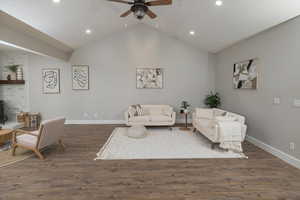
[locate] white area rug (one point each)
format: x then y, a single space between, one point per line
161 143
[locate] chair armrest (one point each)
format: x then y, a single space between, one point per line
21 131
24 131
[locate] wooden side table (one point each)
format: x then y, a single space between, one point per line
185 128
5 135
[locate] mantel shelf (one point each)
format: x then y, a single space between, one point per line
12 82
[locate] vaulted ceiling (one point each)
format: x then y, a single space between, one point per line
216 27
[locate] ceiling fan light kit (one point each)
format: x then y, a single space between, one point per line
140 7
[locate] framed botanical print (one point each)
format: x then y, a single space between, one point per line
80 77
51 81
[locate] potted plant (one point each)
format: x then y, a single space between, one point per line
212 100
13 69
184 107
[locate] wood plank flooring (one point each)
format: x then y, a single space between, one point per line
74 175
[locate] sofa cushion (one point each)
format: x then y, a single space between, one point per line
156 111
27 140
207 123
204 113
140 119
160 118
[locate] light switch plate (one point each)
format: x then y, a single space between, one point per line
276 100
297 103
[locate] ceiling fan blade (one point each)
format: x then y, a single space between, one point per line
126 13
151 14
159 3
121 1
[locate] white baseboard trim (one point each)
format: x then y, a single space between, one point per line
108 121
95 122
276 152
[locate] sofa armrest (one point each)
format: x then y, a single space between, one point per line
193 114
173 116
127 116
194 117
244 131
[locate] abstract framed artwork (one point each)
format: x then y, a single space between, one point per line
245 74
149 78
80 77
51 81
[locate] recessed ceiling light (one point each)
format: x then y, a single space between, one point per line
56 1
219 2
88 31
192 32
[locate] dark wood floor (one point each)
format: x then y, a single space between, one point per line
74 175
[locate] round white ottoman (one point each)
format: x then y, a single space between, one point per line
137 131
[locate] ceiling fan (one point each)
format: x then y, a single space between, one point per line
140 7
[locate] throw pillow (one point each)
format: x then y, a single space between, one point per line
135 109
139 110
132 111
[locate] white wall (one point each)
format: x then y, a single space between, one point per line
278 50
188 75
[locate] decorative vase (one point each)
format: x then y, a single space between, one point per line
19 73
13 76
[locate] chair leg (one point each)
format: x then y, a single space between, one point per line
14 150
63 147
38 153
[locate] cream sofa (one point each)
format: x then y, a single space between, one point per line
221 127
152 115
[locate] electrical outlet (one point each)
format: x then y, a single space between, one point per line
276 100
296 103
85 115
292 146
96 115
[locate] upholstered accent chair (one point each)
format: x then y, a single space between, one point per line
50 132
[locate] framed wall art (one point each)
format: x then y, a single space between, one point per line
245 74
80 77
51 81
149 78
